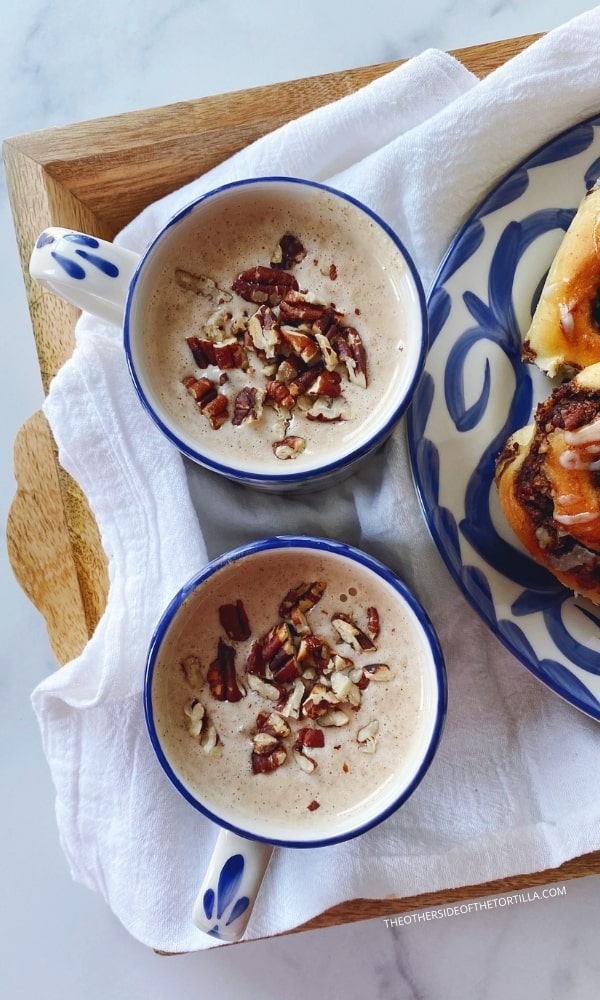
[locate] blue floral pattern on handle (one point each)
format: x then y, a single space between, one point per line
225 904
476 316
83 245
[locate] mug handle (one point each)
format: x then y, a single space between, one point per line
91 273
231 883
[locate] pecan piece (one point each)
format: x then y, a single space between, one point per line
373 623
229 354
306 763
350 349
234 620
303 345
328 410
327 383
303 596
192 670
289 251
263 331
378 672
349 632
274 724
319 701
264 285
266 763
280 393
297 308
289 447
367 737
221 676
264 743
313 805
308 737
211 403
247 406
345 689
202 351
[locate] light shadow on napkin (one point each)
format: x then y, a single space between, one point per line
513 787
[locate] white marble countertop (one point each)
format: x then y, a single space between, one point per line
70 62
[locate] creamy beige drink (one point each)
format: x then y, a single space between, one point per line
346 263
325 732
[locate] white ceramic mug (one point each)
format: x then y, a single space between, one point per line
401 709
352 261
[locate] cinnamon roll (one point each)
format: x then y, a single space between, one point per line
564 335
548 480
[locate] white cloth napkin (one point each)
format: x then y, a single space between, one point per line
514 786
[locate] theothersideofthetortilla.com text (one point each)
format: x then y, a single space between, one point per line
475 906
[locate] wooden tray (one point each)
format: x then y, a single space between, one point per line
96 176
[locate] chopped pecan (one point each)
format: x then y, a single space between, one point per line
202 351
264 688
297 308
247 405
313 805
313 651
264 742
288 369
234 620
289 251
221 675
274 724
303 596
192 670
216 410
328 410
303 345
336 717
367 737
373 623
266 763
306 763
345 689
263 331
195 713
229 354
280 393
304 380
327 383
255 663
327 352
264 285
350 349
378 672
319 701
290 703
289 447
310 737
211 403
349 632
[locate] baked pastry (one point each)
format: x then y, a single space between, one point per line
564 335
548 480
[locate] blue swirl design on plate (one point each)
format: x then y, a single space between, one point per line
493 321
226 903
72 267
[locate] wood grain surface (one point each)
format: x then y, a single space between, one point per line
96 176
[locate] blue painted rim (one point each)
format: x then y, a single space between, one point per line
353 456
339 549
432 512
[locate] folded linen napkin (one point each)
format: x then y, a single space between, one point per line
503 796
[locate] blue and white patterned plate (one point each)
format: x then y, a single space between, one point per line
475 391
